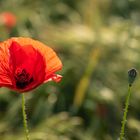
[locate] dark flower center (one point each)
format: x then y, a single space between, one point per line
23 79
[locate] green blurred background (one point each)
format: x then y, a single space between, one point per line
97 41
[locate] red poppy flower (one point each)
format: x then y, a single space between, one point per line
26 63
8 19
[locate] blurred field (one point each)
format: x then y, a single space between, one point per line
97 41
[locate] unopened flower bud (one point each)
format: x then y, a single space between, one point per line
132 73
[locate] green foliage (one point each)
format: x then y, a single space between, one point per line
97 41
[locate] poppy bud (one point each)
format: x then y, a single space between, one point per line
132 73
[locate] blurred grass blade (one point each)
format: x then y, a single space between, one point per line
85 80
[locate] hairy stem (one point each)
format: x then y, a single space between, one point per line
25 117
125 114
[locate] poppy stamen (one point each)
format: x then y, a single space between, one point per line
23 79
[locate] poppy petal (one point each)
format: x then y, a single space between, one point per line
26 58
54 77
4 67
52 62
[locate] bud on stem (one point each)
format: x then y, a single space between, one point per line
132 73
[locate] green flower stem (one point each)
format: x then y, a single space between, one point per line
125 114
25 117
